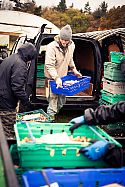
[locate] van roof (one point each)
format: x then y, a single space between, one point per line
100 35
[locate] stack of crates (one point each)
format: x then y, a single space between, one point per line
114 87
40 76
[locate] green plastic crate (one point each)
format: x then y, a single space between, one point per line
112 98
40 66
20 115
15 158
40 83
113 72
115 129
2 174
40 74
117 56
43 155
103 102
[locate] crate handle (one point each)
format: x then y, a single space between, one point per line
65 150
52 151
98 134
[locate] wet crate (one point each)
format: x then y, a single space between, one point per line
112 72
40 83
113 87
75 177
44 155
36 115
40 66
40 74
2 173
82 83
112 98
115 129
103 102
117 57
116 126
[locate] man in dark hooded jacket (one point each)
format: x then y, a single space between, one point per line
13 76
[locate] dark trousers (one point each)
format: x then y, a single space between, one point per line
8 119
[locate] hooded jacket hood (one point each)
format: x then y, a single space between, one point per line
27 52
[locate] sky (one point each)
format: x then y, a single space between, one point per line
80 4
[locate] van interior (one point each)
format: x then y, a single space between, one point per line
84 61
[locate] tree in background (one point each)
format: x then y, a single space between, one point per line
62 6
28 6
80 21
101 11
77 20
116 17
100 16
87 8
103 8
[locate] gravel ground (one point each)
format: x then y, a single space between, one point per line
66 116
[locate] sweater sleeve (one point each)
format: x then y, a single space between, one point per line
50 62
106 114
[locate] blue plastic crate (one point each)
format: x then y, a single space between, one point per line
76 177
82 84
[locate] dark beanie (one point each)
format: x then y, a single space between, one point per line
66 33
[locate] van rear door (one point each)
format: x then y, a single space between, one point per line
87 58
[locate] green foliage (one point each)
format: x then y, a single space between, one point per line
80 21
116 17
103 8
38 11
101 11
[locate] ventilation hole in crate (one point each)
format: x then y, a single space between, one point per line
51 131
97 184
80 184
42 132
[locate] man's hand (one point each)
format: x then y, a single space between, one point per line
96 150
58 83
78 74
79 121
